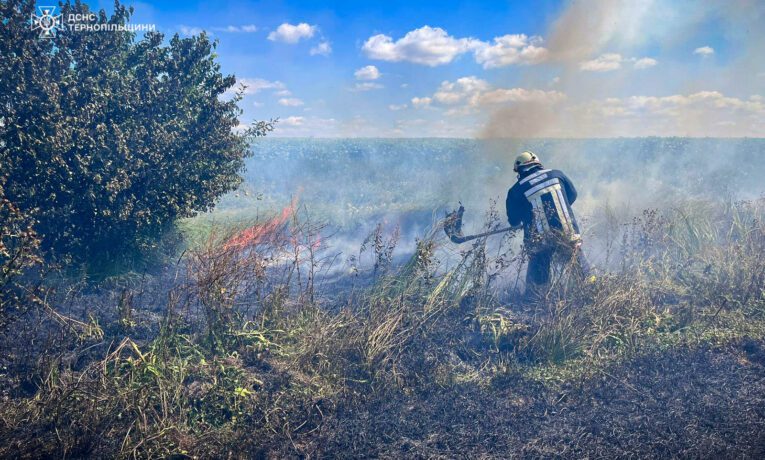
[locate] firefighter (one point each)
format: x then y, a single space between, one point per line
541 202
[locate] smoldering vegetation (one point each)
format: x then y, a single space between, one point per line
249 343
353 185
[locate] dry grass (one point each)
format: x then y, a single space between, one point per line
249 358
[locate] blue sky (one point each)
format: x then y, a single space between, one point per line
464 69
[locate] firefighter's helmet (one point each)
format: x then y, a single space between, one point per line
526 159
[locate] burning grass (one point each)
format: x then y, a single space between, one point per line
249 356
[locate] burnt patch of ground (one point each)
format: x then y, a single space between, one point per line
691 402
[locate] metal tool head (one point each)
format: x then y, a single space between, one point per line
453 225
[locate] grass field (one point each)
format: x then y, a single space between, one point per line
255 347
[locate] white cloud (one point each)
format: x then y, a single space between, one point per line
289 33
303 126
322 49
190 30
476 93
433 46
502 95
369 72
283 93
603 63
509 49
248 28
699 114
704 51
472 95
366 86
290 102
291 121
427 45
458 91
397 107
255 85
645 63
707 99
421 102
613 61
703 113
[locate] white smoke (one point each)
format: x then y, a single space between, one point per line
602 36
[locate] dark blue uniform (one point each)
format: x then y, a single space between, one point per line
541 201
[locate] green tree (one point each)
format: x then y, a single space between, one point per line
106 139
18 254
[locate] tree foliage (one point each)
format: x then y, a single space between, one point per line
108 138
18 253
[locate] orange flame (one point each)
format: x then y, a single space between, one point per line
251 236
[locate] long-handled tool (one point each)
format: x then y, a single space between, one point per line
453 227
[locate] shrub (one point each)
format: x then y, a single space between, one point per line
18 254
109 139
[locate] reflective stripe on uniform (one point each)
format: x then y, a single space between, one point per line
538 187
538 179
564 206
560 210
553 191
531 176
538 214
